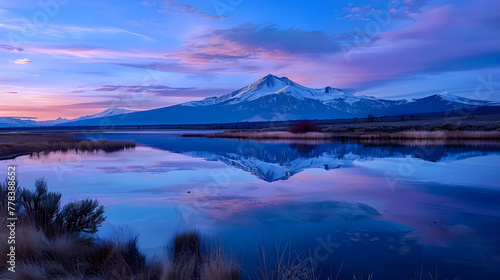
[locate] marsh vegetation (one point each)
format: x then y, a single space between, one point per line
16 144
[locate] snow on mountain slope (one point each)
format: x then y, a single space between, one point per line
59 121
458 99
106 113
53 122
272 85
14 122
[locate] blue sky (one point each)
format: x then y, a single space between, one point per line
67 58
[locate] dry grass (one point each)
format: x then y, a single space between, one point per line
190 263
218 266
73 256
285 264
444 135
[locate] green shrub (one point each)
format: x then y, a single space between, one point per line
40 205
81 216
43 209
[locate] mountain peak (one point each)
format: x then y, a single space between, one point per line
270 81
446 94
269 76
112 108
271 85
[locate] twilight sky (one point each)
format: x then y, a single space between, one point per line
67 58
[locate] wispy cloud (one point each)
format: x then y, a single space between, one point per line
10 48
15 23
360 9
147 3
166 91
83 51
22 61
173 7
77 31
406 9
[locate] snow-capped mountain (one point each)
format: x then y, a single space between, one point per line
272 85
267 86
443 102
274 98
335 98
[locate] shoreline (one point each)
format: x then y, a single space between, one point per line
437 134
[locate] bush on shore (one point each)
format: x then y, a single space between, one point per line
303 127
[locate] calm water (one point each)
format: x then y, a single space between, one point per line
391 209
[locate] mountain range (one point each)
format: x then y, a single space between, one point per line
16 122
274 98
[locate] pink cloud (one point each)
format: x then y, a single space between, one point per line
178 7
22 61
147 3
360 9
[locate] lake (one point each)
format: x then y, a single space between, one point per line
391 209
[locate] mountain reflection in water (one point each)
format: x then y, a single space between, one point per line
273 160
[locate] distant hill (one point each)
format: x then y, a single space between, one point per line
17 122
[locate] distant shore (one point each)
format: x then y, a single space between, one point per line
13 145
477 127
351 135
